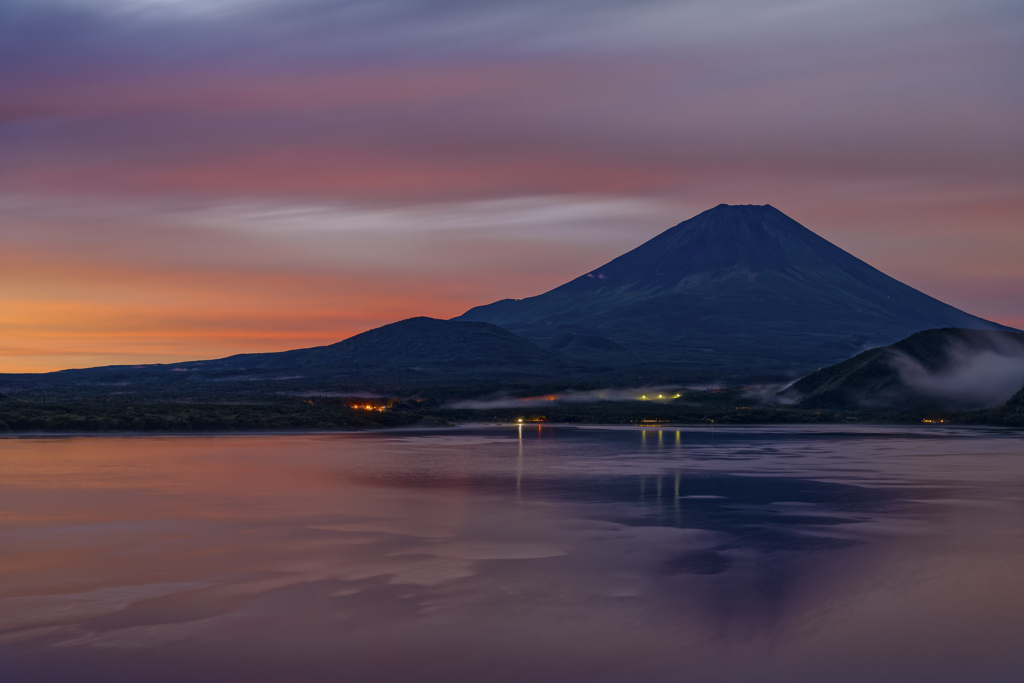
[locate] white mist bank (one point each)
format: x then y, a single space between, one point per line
640 393
971 378
766 394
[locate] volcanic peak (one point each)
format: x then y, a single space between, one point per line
724 242
746 283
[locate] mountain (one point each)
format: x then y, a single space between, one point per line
406 354
421 344
736 291
948 369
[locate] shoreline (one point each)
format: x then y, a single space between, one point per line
817 426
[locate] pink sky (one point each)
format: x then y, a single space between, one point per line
184 179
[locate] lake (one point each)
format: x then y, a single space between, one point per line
534 553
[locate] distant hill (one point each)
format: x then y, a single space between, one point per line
1013 411
424 343
407 354
954 369
735 292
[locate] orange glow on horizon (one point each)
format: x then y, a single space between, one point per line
178 183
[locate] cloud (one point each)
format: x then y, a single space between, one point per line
503 147
99 281
310 237
549 25
970 378
339 99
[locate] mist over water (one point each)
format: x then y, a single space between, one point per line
571 396
516 553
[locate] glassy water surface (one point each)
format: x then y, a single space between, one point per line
516 554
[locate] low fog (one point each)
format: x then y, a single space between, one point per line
972 378
592 396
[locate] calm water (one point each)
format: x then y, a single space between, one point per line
504 554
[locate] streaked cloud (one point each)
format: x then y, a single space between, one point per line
97 281
466 151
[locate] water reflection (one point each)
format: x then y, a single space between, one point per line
767 531
517 553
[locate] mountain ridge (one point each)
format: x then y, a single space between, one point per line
409 353
419 340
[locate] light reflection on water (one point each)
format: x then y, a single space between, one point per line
515 553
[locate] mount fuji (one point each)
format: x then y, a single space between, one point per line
734 292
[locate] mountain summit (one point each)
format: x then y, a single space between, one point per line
734 291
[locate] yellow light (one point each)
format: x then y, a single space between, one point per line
520 419
660 396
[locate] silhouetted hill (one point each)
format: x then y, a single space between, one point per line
407 354
417 342
952 369
736 291
1013 411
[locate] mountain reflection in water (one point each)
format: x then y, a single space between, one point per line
515 553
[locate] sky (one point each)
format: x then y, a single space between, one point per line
186 179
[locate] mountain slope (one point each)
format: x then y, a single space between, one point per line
951 369
735 290
416 342
410 353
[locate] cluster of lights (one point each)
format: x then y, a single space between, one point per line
379 407
644 397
